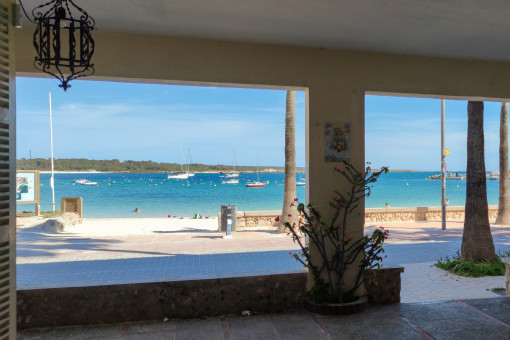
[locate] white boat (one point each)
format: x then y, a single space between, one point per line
233 173
184 173
231 181
84 181
301 183
178 175
80 181
257 183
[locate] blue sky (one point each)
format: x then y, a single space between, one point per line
106 120
405 133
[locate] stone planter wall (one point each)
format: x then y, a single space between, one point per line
154 301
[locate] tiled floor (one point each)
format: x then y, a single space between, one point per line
466 320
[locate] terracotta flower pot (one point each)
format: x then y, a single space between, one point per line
354 307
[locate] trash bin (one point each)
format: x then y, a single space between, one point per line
228 211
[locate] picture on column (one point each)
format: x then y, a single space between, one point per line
337 138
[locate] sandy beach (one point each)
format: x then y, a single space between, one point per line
400 232
128 226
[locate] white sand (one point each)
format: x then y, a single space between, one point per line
127 226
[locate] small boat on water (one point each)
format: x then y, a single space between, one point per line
301 183
84 181
80 181
178 175
231 181
257 183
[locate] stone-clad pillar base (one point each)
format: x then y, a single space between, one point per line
382 286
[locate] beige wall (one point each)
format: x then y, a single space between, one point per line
336 81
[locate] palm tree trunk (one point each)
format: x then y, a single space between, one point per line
477 243
504 190
289 192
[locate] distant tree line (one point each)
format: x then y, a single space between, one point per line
114 165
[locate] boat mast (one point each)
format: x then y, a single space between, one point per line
258 180
182 167
234 159
189 162
52 179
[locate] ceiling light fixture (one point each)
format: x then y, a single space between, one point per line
62 40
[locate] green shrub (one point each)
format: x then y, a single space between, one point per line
495 267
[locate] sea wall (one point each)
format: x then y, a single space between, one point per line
420 214
255 218
268 218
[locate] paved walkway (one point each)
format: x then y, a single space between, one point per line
176 267
64 260
468 319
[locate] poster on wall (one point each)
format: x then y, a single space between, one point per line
26 187
337 138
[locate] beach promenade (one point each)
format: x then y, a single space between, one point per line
137 250
435 304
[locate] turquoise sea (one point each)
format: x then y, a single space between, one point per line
156 196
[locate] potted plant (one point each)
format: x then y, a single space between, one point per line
336 253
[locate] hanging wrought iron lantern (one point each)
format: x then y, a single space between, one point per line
63 41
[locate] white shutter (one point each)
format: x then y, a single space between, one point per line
7 176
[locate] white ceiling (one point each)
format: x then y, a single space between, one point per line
471 29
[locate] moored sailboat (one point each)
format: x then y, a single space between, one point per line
257 183
182 174
233 173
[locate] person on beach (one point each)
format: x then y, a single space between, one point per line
136 210
446 201
387 205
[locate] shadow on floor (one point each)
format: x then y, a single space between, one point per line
467 319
